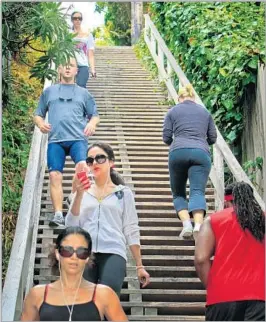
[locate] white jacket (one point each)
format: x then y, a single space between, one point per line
112 223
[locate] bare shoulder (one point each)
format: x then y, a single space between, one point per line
37 290
36 295
105 292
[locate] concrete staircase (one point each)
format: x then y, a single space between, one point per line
132 111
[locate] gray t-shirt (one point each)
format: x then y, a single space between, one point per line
69 108
189 125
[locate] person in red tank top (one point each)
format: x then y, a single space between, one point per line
235 280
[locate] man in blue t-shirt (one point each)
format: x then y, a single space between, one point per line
69 107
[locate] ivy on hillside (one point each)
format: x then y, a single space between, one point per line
218 46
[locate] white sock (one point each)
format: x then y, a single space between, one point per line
187 224
58 214
197 226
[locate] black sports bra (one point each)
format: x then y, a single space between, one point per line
81 312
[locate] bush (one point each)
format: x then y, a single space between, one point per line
218 46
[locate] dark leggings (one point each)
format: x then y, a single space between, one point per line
82 76
107 269
192 164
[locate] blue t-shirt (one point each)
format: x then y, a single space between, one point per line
69 108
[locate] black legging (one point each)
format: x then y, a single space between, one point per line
107 269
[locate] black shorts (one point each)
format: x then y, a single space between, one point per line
236 311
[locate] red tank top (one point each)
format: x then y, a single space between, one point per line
238 269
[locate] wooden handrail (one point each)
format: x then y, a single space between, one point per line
19 262
222 151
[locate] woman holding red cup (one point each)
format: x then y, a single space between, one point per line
106 209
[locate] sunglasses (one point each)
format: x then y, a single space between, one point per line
68 251
61 99
99 158
77 18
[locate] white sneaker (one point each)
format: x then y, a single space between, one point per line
186 233
58 220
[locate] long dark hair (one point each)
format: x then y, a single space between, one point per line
115 176
72 14
249 213
229 189
64 233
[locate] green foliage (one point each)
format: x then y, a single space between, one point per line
252 168
17 127
117 20
26 22
102 37
218 46
143 53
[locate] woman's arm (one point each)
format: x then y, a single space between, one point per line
204 250
75 209
211 133
91 57
143 275
30 310
131 232
112 308
168 130
92 62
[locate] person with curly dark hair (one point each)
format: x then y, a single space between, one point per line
71 297
235 280
228 195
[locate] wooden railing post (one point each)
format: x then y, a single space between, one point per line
218 163
153 44
169 71
161 63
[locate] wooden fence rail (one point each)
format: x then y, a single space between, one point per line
19 277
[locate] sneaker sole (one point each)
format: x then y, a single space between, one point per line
54 224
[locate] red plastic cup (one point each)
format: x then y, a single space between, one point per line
82 176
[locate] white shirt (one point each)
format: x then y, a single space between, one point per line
111 223
83 44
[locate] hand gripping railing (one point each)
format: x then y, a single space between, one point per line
221 150
19 277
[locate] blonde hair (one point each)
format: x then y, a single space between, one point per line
186 91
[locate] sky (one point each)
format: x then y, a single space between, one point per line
91 19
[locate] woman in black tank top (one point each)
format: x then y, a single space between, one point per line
72 298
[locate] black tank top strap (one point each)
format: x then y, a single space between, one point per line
94 293
45 292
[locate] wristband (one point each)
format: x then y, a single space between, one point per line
139 267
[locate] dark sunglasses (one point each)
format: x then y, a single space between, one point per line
99 158
77 18
61 99
68 251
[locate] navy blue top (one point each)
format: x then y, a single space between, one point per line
189 125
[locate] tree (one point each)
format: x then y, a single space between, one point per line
117 20
25 22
